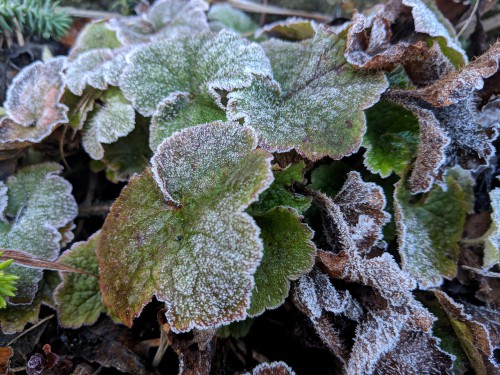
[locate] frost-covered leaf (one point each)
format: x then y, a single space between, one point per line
391 139
289 29
474 336
39 204
165 19
78 297
14 317
87 69
33 98
112 119
281 193
453 130
95 35
408 354
179 232
273 368
177 111
308 108
374 42
492 243
33 104
197 69
125 157
431 227
224 16
288 254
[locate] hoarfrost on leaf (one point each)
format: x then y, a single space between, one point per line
492 242
112 119
33 104
177 73
308 108
78 297
224 16
39 204
431 227
95 35
87 69
179 231
165 19
273 368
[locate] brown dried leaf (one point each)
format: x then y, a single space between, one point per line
273 368
474 336
5 355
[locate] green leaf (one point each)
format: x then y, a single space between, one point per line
288 254
112 119
491 255
7 283
198 68
179 232
14 317
290 29
178 111
94 35
236 329
280 193
128 155
39 205
308 107
224 16
430 227
165 19
87 69
78 297
391 140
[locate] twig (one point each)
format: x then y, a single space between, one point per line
481 272
250 7
25 259
86 13
469 20
30 329
100 209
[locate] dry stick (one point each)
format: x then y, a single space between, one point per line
250 7
22 258
469 20
85 13
30 329
94 209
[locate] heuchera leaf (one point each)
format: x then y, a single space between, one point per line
453 130
126 156
473 335
290 29
391 139
78 297
33 104
308 107
179 231
87 69
15 317
392 309
273 368
181 79
165 19
431 227
281 193
288 254
113 119
492 242
224 16
39 204
95 35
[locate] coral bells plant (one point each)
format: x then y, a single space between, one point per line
331 176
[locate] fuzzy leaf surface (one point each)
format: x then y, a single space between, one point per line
176 73
94 35
492 243
39 205
33 104
224 16
288 254
179 231
165 19
430 228
307 108
113 119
